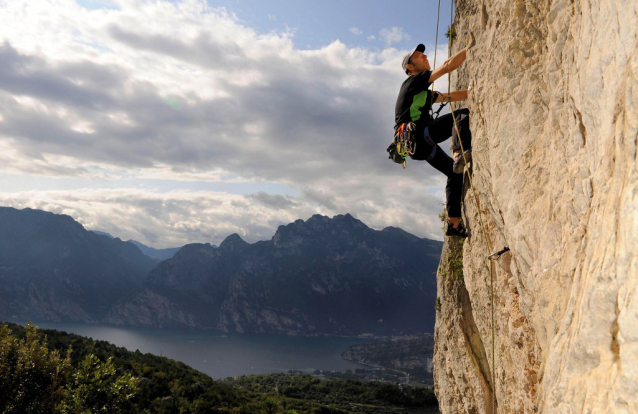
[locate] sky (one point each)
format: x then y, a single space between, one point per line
174 122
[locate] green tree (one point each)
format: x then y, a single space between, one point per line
31 376
95 388
270 405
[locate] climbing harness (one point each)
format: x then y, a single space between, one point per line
406 139
404 143
497 255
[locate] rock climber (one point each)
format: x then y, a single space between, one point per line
414 104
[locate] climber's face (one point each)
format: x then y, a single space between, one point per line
418 63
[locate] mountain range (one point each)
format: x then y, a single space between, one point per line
51 268
160 254
323 276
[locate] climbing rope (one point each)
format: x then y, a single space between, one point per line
436 45
486 238
434 114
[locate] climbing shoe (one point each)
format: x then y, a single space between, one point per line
459 161
458 232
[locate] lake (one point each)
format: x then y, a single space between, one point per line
221 354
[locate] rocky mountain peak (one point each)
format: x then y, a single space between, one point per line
27 223
347 220
319 227
319 221
233 242
194 249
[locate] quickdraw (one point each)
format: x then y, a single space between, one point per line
435 114
404 140
497 255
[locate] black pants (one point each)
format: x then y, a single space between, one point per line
427 149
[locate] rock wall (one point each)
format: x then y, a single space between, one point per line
148 308
554 116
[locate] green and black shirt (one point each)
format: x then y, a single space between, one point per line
415 100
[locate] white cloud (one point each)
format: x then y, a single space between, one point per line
356 31
164 219
320 197
371 38
393 35
183 92
175 218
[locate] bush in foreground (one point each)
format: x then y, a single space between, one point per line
34 379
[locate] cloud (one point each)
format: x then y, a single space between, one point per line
320 197
183 92
393 35
274 201
371 38
164 219
356 31
175 218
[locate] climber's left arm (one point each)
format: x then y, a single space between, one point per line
452 96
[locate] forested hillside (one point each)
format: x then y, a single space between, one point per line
76 373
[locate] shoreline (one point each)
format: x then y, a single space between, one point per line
375 337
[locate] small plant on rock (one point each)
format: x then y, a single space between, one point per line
451 33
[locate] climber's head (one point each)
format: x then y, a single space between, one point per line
416 61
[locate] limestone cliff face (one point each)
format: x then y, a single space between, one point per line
555 120
149 309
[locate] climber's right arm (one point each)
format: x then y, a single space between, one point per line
449 65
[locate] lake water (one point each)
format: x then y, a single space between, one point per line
221 354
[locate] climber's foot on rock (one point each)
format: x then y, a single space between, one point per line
459 161
458 231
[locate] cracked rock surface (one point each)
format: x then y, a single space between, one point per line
554 116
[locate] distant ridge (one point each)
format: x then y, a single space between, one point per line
52 269
323 276
101 233
160 254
